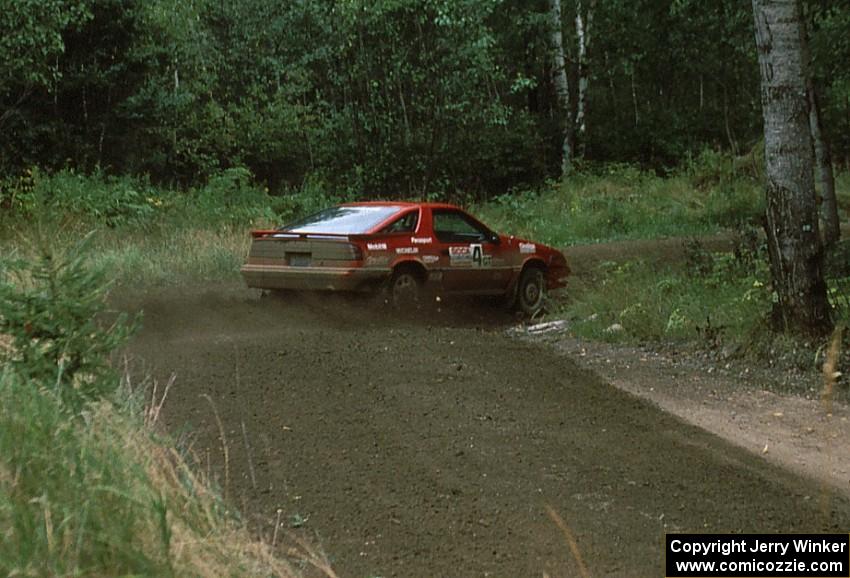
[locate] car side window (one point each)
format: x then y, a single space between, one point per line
404 224
454 227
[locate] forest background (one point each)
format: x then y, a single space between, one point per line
390 98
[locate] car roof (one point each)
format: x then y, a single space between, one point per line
402 204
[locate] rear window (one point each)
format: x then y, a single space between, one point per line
343 220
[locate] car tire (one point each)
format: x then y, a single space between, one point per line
531 291
405 289
508 301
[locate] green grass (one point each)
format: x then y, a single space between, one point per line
624 203
643 301
102 495
163 256
619 202
174 257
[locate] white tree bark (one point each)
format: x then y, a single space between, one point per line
583 32
794 244
823 155
634 93
562 88
826 176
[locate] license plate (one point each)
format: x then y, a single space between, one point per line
299 260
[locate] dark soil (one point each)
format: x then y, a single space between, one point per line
432 446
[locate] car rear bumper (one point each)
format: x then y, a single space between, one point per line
313 278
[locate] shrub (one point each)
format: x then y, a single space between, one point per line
66 198
313 196
112 201
229 197
50 311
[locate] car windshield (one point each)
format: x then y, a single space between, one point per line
343 220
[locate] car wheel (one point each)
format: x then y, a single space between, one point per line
405 289
531 291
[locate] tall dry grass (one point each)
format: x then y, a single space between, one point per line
106 493
143 259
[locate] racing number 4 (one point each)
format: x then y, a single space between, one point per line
477 255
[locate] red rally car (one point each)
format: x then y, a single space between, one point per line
403 248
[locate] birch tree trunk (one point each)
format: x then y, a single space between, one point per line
823 155
794 244
583 32
826 176
562 88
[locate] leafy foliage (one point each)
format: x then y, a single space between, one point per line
379 99
31 37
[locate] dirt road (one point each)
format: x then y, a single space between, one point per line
432 447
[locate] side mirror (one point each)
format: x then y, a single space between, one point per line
495 239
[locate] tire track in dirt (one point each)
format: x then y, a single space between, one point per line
431 447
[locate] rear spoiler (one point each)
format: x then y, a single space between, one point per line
259 233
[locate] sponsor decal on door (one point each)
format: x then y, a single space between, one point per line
469 256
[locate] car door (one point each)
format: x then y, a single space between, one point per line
469 253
